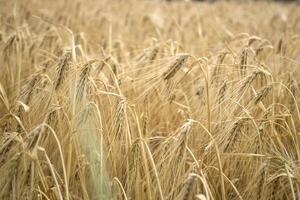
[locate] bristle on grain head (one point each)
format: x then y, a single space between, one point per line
154 53
188 190
62 69
83 79
184 131
233 134
248 80
179 62
262 93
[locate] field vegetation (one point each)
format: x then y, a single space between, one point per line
149 100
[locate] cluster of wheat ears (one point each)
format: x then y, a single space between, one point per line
149 100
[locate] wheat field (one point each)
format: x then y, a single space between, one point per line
149 100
